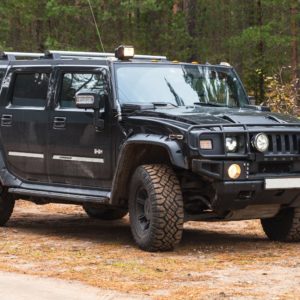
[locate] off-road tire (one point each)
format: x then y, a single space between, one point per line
104 213
156 224
7 204
284 227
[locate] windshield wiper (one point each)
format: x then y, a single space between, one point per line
178 99
209 104
163 104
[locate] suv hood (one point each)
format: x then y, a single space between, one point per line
218 115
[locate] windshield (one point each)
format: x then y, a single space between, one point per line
180 85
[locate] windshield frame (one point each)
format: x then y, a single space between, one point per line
119 64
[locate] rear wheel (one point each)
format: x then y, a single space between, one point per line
7 204
284 227
156 208
104 213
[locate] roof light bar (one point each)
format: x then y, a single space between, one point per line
124 52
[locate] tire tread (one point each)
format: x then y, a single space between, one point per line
284 227
167 207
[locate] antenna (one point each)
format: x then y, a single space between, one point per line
97 29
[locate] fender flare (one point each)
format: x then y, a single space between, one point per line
172 146
122 177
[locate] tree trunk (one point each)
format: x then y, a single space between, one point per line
260 52
190 9
294 32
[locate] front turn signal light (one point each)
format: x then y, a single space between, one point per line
206 144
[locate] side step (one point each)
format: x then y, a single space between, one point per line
100 197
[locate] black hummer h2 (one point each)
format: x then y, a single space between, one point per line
168 141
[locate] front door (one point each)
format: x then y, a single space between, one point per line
78 154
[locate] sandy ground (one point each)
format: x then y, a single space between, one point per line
27 287
231 260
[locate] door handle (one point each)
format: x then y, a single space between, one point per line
59 122
6 120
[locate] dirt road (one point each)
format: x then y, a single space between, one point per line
27 287
214 261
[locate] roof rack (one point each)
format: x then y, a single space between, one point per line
154 57
54 54
15 55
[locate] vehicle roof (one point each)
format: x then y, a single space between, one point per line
51 58
94 62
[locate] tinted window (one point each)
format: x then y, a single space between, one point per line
80 82
30 89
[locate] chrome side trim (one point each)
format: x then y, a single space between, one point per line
26 154
78 158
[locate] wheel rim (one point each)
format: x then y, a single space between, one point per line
143 210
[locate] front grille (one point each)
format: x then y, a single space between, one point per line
275 168
283 143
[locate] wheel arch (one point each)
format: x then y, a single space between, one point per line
143 149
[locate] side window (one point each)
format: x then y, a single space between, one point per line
30 89
73 83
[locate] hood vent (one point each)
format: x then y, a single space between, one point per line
273 118
227 118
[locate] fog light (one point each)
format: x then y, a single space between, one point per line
234 171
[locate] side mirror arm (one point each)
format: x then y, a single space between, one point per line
98 122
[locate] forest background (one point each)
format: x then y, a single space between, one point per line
260 38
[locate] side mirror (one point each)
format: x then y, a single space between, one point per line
258 107
95 102
252 100
253 105
90 100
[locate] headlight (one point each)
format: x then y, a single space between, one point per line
261 142
231 144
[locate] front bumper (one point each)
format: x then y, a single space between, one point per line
238 194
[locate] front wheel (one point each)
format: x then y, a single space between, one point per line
156 208
284 227
7 204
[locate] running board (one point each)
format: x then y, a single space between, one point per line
100 197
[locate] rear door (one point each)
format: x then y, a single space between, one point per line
79 155
24 122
